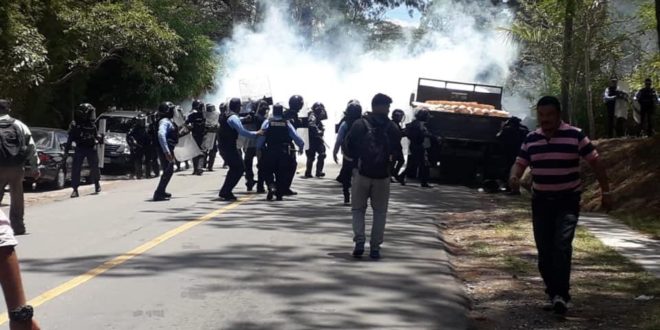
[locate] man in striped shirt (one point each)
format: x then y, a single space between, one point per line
553 154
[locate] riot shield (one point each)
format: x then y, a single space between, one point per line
101 147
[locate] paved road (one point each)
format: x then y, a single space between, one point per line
120 261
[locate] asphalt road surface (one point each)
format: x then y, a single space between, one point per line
120 261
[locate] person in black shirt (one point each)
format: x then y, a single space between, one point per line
316 143
398 117
138 139
648 99
420 138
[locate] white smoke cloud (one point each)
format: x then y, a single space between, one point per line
467 47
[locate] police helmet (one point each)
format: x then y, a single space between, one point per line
353 110
235 105
278 109
319 110
166 110
198 105
423 114
210 107
85 112
223 107
296 103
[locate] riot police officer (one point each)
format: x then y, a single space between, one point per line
420 138
197 125
351 115
277 155
85 134
316 143
253 122
151 149
296 104
398 117
211 146
228 132
168 137
138 140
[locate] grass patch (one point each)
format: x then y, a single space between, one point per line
649 224
500 263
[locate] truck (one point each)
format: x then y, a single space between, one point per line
465 119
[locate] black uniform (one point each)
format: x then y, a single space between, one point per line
418 162
86 137
511 138
151 149
316 145
292 117
647 98
138 139
197 124
399 159
279 157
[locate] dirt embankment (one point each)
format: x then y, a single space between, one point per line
633 167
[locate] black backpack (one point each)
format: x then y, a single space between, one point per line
374 157
13 147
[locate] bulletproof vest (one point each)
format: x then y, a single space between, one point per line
87 137
198 122
277 133
227 135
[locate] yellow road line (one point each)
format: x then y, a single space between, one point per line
110 264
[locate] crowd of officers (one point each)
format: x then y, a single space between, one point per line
243 133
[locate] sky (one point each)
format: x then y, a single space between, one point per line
401 16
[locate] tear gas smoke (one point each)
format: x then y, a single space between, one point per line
463 43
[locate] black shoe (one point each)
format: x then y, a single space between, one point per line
347 200
250 185
200 172
19 231
160 198
320 175
401 179
559 305
270 195
228 197
426 185
308 176
168 195
358 251
209 169
75 194
279 198
374 254
289 193
97 188
261 190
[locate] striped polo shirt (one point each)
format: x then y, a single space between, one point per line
555 161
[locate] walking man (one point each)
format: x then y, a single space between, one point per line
168 137
372 142
316 144
16 147
553 153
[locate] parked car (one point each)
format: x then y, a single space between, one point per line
118 123
50 143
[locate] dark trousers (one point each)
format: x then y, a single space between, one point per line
168 171
290 174
198 162
397 165
277 166
248 162
210 158
316 148
346 176
138 160
79 156
417 160
554 220
151 159
614 124
232 156
647 121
